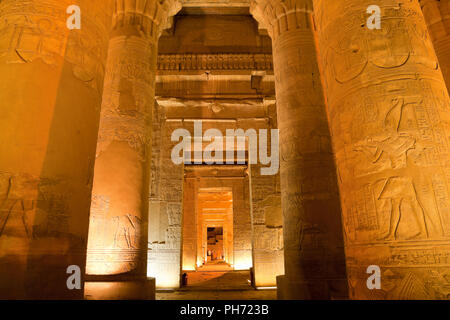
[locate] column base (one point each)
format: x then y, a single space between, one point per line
290 289
107 288
280 287
293 289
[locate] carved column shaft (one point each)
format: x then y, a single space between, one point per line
313 245
388 111
50 93
119 211
437 16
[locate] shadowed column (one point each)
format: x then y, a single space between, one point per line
313 245
388 108
119 213
50 93
437 16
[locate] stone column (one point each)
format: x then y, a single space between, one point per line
388 109
118 223
50 93
437 16
313 245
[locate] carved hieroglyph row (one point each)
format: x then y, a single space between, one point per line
220 61
390 119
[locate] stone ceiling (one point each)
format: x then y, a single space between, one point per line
216 6
213 3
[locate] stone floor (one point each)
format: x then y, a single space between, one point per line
219 280
250 294
217 285
215 266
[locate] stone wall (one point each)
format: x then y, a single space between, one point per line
263 213
208 73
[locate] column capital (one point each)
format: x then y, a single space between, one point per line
147 17
278 16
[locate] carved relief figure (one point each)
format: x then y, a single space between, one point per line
16 215
395 147
126 231
389 151
400 190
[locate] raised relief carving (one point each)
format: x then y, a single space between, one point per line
389 124
126 118
127 98
220 61
34 31
98 226
127 231
30 207
307 172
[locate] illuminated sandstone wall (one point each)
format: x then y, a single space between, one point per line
229 80
214 34
267 218
164 235
388 111
50 94
215 3
165 213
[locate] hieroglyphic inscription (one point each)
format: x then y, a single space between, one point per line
389 117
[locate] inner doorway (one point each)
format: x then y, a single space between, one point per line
216 238
214 248
215 226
